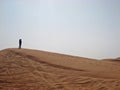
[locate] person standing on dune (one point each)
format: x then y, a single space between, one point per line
20 43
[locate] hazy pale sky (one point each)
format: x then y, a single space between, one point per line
86 28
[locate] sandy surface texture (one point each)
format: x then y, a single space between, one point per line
26 69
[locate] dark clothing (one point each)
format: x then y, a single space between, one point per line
20 43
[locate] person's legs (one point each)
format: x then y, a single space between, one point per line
19 45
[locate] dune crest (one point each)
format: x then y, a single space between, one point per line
26 69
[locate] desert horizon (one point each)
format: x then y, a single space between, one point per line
28 69
59 45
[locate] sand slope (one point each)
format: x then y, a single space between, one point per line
27 69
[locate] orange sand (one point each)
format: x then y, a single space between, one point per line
25 69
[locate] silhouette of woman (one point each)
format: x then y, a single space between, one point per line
20 43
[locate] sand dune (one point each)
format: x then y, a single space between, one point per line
25 69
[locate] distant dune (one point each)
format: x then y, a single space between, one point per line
26 69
